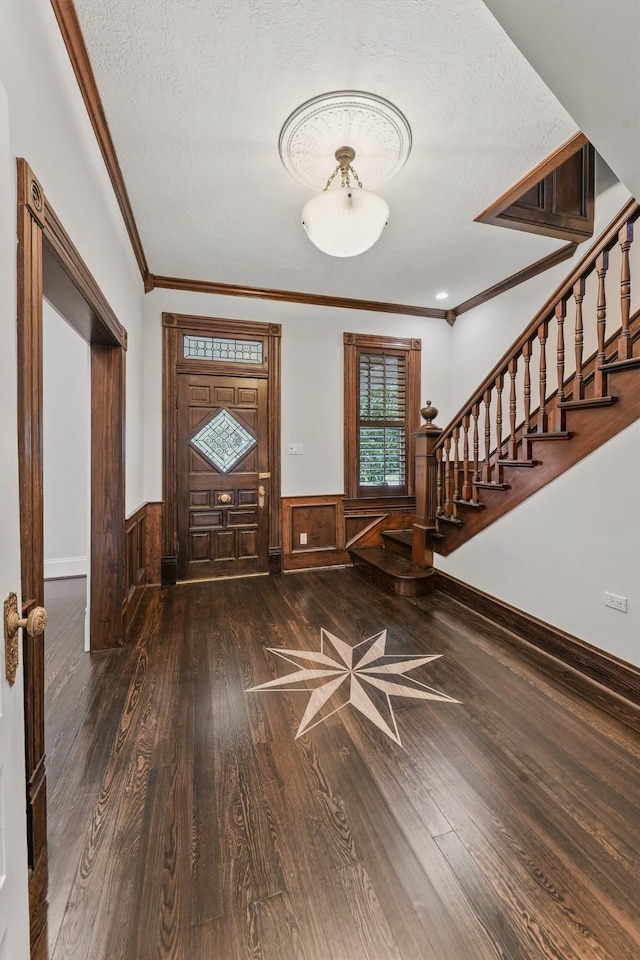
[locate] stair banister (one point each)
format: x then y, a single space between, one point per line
426 487
584 268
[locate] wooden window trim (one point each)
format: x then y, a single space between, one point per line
411 348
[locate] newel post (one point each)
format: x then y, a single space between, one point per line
426 473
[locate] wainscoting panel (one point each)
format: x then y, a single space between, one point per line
142 561
332 524
321 518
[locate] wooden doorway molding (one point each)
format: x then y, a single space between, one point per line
48 264
174 327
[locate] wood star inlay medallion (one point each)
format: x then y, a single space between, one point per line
361 669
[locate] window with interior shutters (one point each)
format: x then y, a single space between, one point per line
382 403
382 390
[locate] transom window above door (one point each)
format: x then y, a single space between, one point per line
222 348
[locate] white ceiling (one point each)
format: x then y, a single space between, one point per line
196 91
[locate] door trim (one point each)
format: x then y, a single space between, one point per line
49 264
173 325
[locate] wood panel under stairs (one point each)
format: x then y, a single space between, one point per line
588 424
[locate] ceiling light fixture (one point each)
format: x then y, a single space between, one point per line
344 219
442 295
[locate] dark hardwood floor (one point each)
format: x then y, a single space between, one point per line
186 820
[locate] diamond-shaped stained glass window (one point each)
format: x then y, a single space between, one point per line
223 441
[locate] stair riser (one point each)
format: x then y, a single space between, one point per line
402 588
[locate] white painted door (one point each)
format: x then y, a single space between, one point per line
14 909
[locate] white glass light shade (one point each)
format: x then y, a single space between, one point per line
346 221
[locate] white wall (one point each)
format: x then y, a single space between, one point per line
66 446
312 377
51 130
556 554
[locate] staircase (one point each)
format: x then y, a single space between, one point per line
568 384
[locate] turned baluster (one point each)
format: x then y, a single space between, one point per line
526 353
499 389
561 313
439 502
475 413
466 482
513 409
543 331
602 265
486 472
456 469
447 477
624 340
578 380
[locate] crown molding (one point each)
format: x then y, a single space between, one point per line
292 296
545 263
69 25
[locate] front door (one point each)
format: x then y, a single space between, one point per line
222 467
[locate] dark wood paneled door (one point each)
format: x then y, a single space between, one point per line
222 466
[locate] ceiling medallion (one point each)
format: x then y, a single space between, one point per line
344 220
372 126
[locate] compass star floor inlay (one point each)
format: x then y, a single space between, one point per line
364 664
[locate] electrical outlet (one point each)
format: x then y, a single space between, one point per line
295 449
615 602
303 539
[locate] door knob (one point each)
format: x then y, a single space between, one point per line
34 624
261 495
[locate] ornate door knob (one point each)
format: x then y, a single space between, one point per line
34 624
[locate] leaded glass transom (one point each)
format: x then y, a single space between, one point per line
223 441
220 348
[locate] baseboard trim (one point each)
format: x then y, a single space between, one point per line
608 681
64 567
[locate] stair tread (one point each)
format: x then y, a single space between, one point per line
587 402
484 485
400 536
616 366
551 435
474 504
519 463
399 567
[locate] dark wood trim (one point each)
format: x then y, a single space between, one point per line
545 263
353 342
30 471
61 252
48 264
607 681
291 296
67 18
502 212
172 326
107 495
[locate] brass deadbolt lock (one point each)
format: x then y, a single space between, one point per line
34 624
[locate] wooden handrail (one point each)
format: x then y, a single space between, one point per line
629 213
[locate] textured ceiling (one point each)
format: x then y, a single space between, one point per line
196 91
